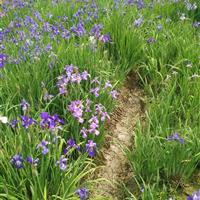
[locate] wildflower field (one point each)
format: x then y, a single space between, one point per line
100 100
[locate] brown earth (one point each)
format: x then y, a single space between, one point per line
115 167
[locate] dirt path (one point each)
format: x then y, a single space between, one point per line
115 165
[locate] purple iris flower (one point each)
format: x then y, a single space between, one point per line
91 148
96 30
95 91
24 105
79 29
175 137
69 69
62 163
138 22
46 27
55 30
140 4
84 132
43 145
44 115
130 2
94 124
71 144
50 121
76 78
76 108
108 85
27 121
62 91
37 15
114 94
116 4
151 40
3 58
66 34
82 193
104 115
13 123
101 110
194 196
104 38
71 75
32 161
85 75
17 160
62 81
48 47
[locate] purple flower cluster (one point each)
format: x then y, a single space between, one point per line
86 111
24 105
82 193
96 32
18 161
95 91
71 144
175 137
32 161
94 125
62 163
114 94
91 148
50 121
105 38
43 145
27 121
151 40
138 3
79 29
13 123
3 59
28 33
71 75
76 108
94 121
138 22
100 110
15 4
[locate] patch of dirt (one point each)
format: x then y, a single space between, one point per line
121 126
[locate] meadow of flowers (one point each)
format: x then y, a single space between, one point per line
62 64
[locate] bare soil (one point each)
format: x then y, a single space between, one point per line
115 167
